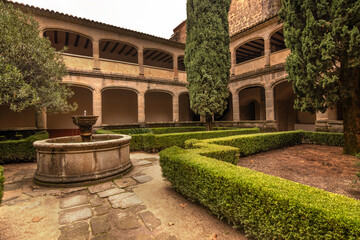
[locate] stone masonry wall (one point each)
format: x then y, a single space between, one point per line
242 14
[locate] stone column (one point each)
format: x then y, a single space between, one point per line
175 68
141 107
141 61
233 61
322 122
97 107
267 51
175 109
96 55
236 107
40 118
270 109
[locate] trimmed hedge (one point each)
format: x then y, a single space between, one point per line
266 207
151 142
166 130
12 151
324 138
2 180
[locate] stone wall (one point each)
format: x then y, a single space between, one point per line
246 13
242 14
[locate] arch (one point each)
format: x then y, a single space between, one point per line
160 90
252 102
278 81
250 50
76 43
158 58
277 41
119 105
61 124
181 64
286 116
185 112
118 51
249 86
80 85
120 87
158 106
227 115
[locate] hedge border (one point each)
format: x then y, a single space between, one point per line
266 207
12 151
151 142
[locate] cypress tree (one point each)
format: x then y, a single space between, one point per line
207 56
324 63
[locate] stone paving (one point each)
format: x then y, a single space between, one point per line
110 210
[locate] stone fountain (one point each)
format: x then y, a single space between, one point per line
81 160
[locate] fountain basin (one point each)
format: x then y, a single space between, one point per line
67 161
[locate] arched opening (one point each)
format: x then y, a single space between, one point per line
185 112
250 50
252 103
286 116
119 106
14 120
158 107
277 41
158 58
118 51
181 64
75 43
61 124
228 112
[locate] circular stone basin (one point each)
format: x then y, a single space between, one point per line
67 161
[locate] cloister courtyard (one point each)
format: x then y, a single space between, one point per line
135 162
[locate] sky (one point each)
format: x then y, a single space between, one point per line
155 17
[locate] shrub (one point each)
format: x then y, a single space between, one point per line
255 143
162 141
266 207
324 138
151 142
139 131
2 180
12 151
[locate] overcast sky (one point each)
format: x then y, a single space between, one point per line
155 17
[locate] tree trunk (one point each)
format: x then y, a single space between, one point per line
40 118
209 123
351 115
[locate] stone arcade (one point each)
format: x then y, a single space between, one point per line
131 78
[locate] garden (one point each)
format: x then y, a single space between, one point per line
214 169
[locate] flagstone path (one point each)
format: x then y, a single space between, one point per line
140 205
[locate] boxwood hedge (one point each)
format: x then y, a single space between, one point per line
12 151
151 142
2 180
266 207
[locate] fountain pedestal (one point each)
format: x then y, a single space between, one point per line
85 124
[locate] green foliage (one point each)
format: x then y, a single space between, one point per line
266 207
324 63
207 55
151 142
30 70
139 131
12 151
324 138
324 40
255 143
2 180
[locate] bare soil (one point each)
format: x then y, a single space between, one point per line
324 167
